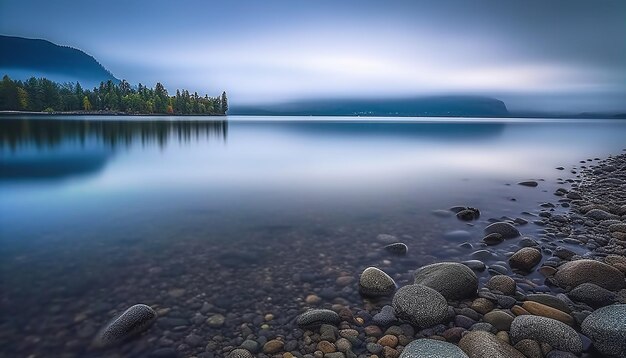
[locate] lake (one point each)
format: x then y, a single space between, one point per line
234 220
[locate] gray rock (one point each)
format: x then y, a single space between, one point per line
484 326
430 348
480 344
250 345
385 317
317 317
598 214
607 329
505 229
530 348
375 282
546 330
502 283
593 295
499 319
525 259
574 273
453 280
240 353
131 322
216 321
529 183
397 248
420 305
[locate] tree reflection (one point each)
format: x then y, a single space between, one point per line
49 133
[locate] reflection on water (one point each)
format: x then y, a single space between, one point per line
247 217
112 133
62 148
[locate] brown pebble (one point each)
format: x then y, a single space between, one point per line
389 352
482 305
388 341
539 309
518 310
312 299
344 280
503 336
326 347
273 346
373 331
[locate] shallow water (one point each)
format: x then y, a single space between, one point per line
249 215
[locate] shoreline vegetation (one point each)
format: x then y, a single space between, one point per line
43 96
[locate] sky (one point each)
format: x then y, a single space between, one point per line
557 55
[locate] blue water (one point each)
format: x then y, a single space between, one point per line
108 212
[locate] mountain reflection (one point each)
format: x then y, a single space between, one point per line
50 133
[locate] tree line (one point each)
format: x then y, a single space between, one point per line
41 94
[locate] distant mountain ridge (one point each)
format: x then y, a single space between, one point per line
435 106
22 58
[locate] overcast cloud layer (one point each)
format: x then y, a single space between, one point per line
566 55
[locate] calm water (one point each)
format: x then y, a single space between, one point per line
249 215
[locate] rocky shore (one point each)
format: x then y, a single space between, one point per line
556 292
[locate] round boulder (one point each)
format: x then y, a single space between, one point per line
574 273
131 322
420 305
505 229
431 348
375 282
607 329
453 280
525 259
546 330
480 344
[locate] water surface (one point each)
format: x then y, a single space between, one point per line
248 214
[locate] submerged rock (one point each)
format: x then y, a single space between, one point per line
375 282
529 183
131 322
397 248
317 317
430 348
420 305
505 229
453 280
607 329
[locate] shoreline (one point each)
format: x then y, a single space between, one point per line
104 113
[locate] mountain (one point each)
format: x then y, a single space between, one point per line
23 58
436 106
